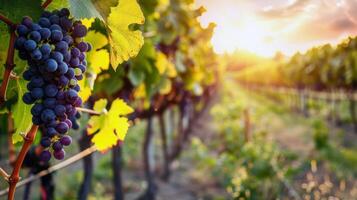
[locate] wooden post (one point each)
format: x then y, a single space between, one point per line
246 125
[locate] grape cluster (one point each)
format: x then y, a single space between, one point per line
55 52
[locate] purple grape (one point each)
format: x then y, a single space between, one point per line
45 156
57 146
62 127
45 142
59 155
66 140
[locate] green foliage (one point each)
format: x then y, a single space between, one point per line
320 134
21 114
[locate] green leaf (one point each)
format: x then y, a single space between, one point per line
81 9
125 43
103 6
57 4
16 9
21 114
110 126
136 76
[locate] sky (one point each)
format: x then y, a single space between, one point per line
267 26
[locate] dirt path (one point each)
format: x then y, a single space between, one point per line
182 186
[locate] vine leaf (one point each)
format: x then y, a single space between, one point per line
98 58
125 43
84 9
21 114
110 126
57 4
16 9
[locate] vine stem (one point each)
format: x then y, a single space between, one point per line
9 65
89 111
46 3
14 177
7 21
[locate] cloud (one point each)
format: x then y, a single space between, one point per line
290 10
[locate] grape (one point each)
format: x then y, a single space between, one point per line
64 12
45 33
56 35
57 146
44 22
60 110
73 82
68 39
46 14
45 156
54 19
45 142
77 88
55 27
27 98
20 42
82 56
82 46
74 62
82 68
66 140
66 23
62 127
37 93
68 122
27 21
77 71
59 155
36 54
49 102
89 47
61 46
70 73
79 30
57 56
45 49
51 132
78 102
37 109
75 52
36 120
27 75
22 30
55 53
63 81
62 68
79 77
37 81
35 27
30 45
67 56
51 90
35 36
51 65
47 115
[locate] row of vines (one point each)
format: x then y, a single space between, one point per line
320 68
138 60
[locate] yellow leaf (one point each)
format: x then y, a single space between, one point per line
110 126
161 62
85 91
125 43
98 59
164 65
87 22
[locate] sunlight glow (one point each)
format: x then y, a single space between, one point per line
251 35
